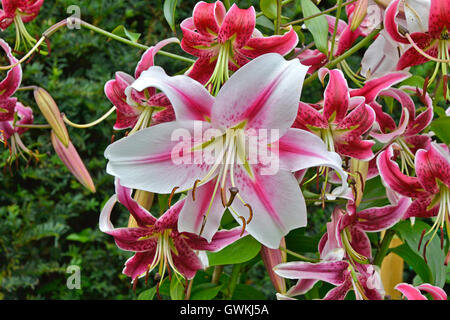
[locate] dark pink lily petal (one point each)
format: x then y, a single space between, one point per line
220 240
195 43
360 243
369 292
301 287
314 58
410 292
8 105
390 25
184 258
418 142
412 57
394 178
148 58
336 96
142 216
268 84
239 23
346 40
439 18
28 11
378 219
202 69
384 123
420 208
138 264
373 87
169 220
334 272
190 100
355 148
282 44
331 240
13 78
424 118
308 116
208 17
193 214
431 165
340 292
436 292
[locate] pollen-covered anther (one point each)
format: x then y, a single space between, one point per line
244 224
195 188
169 202
250 217
233 192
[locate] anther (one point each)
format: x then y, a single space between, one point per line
250 217
112 138
195 188
171 196
421 238
244 224
425 251
146 275
157 277
233 192
135 284
442 238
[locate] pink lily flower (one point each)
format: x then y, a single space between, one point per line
158 242
413 293
204 152
11 83
332 121
429 189
226 40
428 24
19 12
137 109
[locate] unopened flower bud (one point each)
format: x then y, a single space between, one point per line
69 156
359 13
271 258
51 112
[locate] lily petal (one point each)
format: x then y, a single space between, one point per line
336 96
239 23
431 165
410 292
13 77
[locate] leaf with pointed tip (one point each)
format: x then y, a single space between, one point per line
169 12
440 128
241 251
269 8
317 26
121 31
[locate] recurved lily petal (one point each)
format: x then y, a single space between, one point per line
340 292
268 86
336 96
13 78
439 19
374 86
208 17
220 240
412 57
185 260
138 264
308 117
390 24
394 178
159 158
69 156
281 44
410 292
431 165
334 272
436 292
190 100
239 23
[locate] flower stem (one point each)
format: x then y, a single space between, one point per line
297 255
235 273
333 38
278 20
388 236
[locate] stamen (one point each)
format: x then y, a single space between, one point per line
169 202
421 238
425 251
423 53
146 275
233 192
442 238
135 284
250 217
88 125
195 188
244 224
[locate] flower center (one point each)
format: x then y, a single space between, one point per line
221 72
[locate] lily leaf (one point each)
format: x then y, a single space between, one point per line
169 12
148 294
269 8
205 291
176 289
241 251
440 128
123 32
415 261
317 26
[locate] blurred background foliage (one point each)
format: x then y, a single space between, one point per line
48 221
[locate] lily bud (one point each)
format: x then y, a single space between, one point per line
51 112
271 258
359 13
359 170
69 156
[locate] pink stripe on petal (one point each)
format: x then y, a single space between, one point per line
436 292
334 272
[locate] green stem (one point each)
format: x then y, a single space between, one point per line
216 274
235 273
227 4
388 236
342 57
297 255
278 21
318 14
333 38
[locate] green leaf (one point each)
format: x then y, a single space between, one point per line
241 251
263 21
176 289
247 292
147 294
205 291
169 12
317 26
269 8
435 255
440 128
413 81
121 31
298 242
415 261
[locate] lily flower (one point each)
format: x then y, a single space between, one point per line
427 32
239 141
11 83
413 293
225 41
142 108
19 12
157 242
430 189
340 129
345 253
